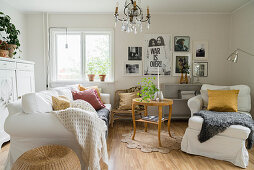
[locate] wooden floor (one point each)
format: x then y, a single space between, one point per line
122 158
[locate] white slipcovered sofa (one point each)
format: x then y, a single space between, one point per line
30 124
229 145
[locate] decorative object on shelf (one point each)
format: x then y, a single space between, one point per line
148 89
11 34
4 49
133 68
158 54
133 16
158 96
134 53
234 56
200 69
200 50
181 43
181 64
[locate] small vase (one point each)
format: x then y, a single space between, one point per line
158 96
182 79
186 79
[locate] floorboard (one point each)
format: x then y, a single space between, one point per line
122 158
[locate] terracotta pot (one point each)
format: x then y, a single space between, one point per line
91 77
12 48
4 53
102 77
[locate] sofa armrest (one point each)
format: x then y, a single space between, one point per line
14 107
105 98
195 104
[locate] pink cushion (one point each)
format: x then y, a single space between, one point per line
91 96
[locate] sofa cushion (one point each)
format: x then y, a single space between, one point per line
60 103
235 131
90 96
64 91
38 102
244 98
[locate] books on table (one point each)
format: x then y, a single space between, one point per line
152 118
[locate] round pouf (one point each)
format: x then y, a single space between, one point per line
48 158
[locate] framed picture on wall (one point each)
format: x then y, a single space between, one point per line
158 54
179 60
133 68
200 50
181 43
200 69
134 53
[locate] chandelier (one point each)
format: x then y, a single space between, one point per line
132 21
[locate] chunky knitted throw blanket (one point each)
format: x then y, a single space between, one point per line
82 120
217 122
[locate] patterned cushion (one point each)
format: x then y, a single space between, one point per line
60 103
90 96
126 100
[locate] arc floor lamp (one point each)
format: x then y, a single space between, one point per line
234 56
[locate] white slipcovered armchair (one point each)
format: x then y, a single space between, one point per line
229 145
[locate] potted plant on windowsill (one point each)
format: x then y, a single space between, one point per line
12 33
91 70
103 66
4 49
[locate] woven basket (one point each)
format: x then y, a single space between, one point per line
48 158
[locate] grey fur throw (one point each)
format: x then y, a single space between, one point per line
217 122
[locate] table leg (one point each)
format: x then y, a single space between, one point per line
134 122
169 119
145 115
159 125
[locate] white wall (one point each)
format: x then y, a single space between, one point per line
18 19
242 36
208 27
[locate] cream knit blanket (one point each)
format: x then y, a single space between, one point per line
82 120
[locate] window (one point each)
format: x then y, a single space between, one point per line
79 53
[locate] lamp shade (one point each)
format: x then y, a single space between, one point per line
233 57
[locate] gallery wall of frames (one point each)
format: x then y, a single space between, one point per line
165 52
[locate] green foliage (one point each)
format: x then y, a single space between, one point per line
10 30
148 89
98 66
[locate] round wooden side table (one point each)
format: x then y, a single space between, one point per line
160 104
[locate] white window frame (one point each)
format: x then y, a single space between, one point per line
52 71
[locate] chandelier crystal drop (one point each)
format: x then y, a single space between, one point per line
133 19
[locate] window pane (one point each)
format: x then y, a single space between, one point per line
68 59
97 54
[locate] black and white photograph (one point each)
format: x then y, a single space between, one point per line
134 53
182 43
132 69
181 63
158 54
200 69
200 51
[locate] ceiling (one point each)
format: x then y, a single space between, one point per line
107 6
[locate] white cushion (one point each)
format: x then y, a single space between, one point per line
244 98
63 91
235 131
38 102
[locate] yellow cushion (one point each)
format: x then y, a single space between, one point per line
60 103
125 102
82 88
222 100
